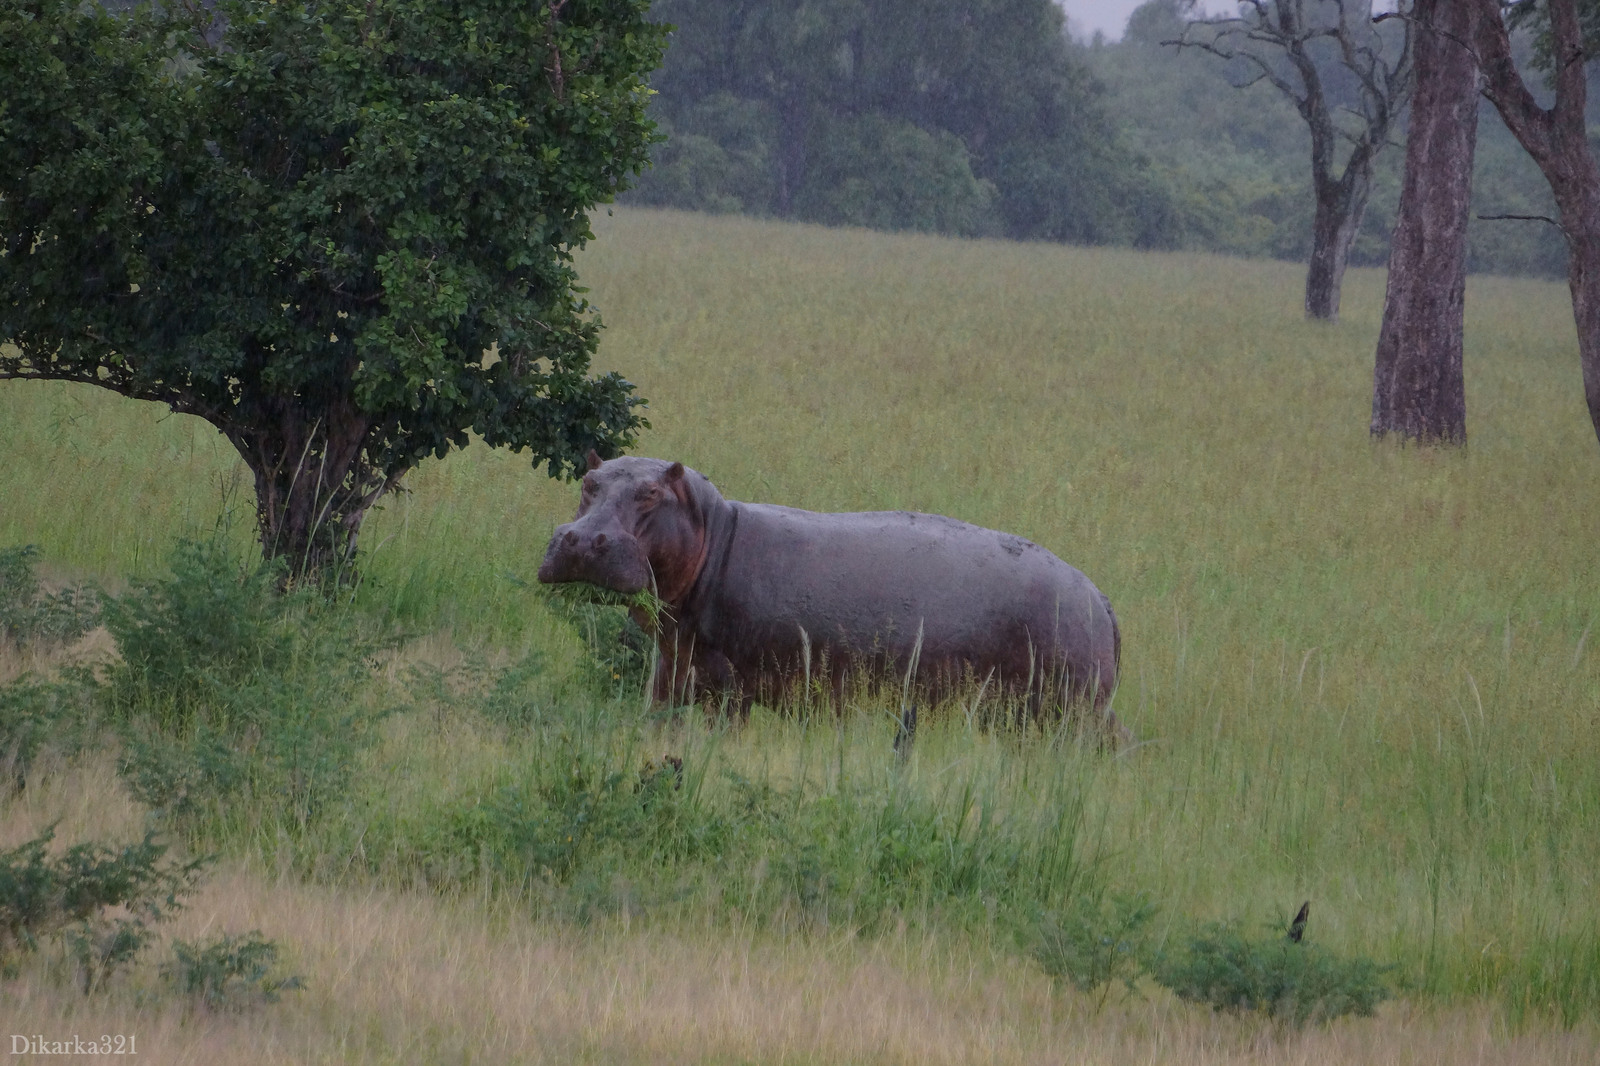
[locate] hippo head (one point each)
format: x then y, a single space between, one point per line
638 526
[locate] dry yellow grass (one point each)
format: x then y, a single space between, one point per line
398 977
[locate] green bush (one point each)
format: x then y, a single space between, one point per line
68 897
1096 942
30 615
1288 982
209 629
228 972
586 806
37 714
237 699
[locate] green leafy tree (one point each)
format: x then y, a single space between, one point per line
341 232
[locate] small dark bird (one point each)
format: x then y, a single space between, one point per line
906 731
1297 928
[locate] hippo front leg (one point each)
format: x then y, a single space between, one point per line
674 683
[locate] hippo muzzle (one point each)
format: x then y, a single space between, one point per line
601 554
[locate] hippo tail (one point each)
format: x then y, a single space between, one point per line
1118 734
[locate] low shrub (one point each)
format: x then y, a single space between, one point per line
620 654
234 696
228 972
589 806
68 897
36 715
1098 941
29 615
1289 982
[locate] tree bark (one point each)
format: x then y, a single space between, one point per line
1557 139
313 482
1340 207
1418 390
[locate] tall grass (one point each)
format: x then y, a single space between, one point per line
1359 673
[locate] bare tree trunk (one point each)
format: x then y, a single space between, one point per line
1417 385
1581 219
1557 139
791 155
1340 207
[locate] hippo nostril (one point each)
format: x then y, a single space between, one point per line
570 539
600 542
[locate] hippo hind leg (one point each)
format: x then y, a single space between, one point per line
1090 704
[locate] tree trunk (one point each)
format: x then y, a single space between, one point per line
1417 386
1581 219
1557 139
791 155
1340 206
313 482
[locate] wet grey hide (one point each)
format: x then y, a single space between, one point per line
759 597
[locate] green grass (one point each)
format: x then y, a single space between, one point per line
1360 674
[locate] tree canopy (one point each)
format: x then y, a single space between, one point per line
342 232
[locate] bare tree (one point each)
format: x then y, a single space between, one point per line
1557 139
1417 387
1296 46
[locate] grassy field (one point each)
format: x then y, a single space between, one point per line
1359 674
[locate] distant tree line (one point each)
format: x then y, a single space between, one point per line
971 117
984 118
1236 161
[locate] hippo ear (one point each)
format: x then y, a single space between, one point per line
674 473
594 459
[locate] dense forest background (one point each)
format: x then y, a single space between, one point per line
985 118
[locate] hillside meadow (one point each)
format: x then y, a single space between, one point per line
1359 674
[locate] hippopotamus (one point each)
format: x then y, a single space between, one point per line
757 597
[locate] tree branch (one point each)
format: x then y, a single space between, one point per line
1523 218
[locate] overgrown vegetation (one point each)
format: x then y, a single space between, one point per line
1097 942
101 903
228 972
1356 674
1292 983
38 716
580 813
237 702
31 615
